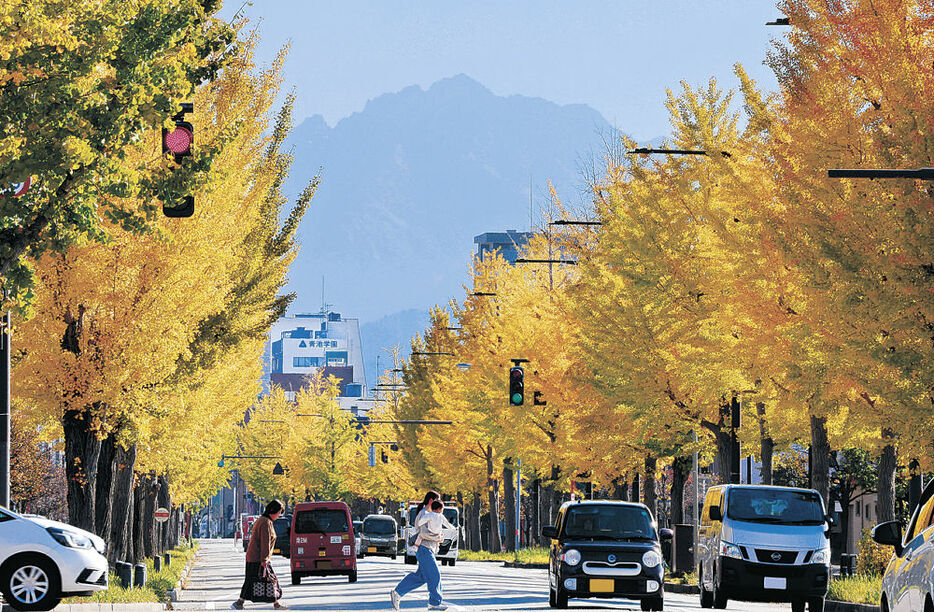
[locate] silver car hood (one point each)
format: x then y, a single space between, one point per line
771 536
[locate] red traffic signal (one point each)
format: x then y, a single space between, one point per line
179 141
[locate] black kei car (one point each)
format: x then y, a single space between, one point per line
605 549
283 526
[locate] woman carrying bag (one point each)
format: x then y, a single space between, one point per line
260 584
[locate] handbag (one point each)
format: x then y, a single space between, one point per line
266 587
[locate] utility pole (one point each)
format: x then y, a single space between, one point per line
6 335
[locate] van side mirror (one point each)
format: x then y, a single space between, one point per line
715 513
550 531
666 534
831 521
889 534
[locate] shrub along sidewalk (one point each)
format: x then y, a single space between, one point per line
158 584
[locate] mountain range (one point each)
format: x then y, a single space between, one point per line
410 180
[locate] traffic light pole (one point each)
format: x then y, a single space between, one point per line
6 336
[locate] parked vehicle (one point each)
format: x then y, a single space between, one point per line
357 530
322 541
379 536
283 527
606 549
908 581
247 525
763 543
450 543
42 561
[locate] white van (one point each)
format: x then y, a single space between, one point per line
450 538
763 543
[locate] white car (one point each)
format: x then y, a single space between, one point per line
42 561
908 582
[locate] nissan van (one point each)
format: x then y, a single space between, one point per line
763 543
322 541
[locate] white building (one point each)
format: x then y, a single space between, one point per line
305 344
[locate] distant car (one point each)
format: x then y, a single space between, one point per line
908 581
379 536
357 531
283 526
605 549
42 561
247 529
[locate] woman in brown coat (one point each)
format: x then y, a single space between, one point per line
259 554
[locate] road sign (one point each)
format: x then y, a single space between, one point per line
162 515
21 187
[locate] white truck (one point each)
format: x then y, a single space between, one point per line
450 538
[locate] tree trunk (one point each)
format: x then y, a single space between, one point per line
651 500
104 495
149 522
621 487
475 540
82 452
820 457
680 468
886 487
767 445
509 501
125 461
535 518
139 518
634 495
496 544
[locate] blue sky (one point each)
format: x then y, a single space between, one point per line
617 57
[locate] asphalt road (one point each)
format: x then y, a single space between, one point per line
218 573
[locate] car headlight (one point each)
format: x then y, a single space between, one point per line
71 539
821 556
730 550
571 557
651 558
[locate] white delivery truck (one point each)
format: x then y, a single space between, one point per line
450 538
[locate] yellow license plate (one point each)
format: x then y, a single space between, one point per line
371 549
276 550
601 585
321 553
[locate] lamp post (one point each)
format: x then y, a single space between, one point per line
922 174
649 151
6 336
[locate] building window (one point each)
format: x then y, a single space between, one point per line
303 362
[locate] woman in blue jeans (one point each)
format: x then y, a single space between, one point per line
428 524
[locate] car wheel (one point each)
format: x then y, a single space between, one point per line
706 597
816 604
719 595
296 579
393 557
797 605
656 603
552 598
410 560
451 562
31 583
561 597
352 577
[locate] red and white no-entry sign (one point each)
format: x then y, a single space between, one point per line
162 515
21 187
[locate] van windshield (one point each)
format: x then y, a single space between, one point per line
775 506
450 514
608 523
321 521
379 527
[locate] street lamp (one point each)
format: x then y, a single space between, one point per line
922 174
780 21
570 262
482 293
648 151
574 222
431 353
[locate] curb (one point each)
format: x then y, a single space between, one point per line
830 605
172 594
525 565
103 607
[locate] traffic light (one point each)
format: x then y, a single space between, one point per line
516 386
384 456
178 142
